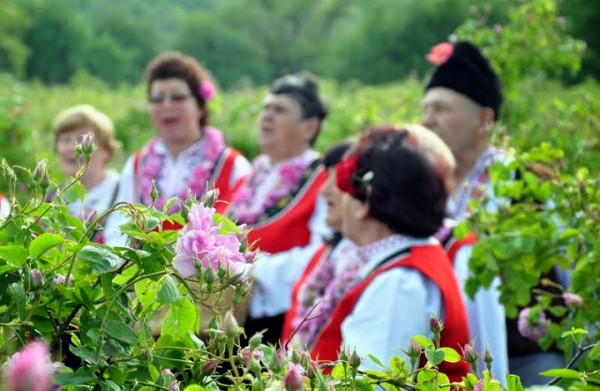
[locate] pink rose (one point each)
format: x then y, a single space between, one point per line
531 327
294 379
30 369
440 53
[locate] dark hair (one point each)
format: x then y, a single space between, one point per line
405 191
334 154
180 66
303 87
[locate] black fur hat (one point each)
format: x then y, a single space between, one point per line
466 71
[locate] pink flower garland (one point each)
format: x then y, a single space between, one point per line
205 158
244 206
324 289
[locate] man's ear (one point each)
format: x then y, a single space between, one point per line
486 114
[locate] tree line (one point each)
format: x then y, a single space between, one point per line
249 41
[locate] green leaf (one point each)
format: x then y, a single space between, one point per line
180 319
376 361
121 332
85 352
397 364
82 376
426 375
112 348
514 383
194 387
451 355
340 371
43 243
15 255
110 385
17 294
168 292
99 258
563 373
362 385
227 225
116 375
435 356
75 192
422 341
595 352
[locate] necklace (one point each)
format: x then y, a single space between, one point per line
275 188
202 162
471 187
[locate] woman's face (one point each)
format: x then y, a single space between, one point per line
65 145
333 197
353 213
283 132
174 111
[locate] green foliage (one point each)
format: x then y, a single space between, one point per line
13 51
104 302
56 38
551 221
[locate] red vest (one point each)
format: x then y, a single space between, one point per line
221 177
316 260
289 227
453 245
432 262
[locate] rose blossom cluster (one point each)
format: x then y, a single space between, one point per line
201 242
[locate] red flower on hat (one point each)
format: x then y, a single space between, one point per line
343 174
440 53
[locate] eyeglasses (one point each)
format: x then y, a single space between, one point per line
174 96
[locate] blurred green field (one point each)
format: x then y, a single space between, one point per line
541 111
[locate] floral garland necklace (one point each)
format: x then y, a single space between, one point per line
202 162
246 207
324 289
471 187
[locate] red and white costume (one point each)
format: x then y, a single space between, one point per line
174 177
287 233
401 287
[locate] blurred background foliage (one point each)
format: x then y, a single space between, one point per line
370 56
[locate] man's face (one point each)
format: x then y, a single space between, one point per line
455 118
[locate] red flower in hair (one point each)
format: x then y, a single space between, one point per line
345 169
440 53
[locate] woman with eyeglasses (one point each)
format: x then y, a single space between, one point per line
395 186
280 202
188 155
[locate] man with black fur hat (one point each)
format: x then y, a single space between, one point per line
462 100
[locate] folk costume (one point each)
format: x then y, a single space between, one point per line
414 272
485 312
282 206
204 164
307 313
